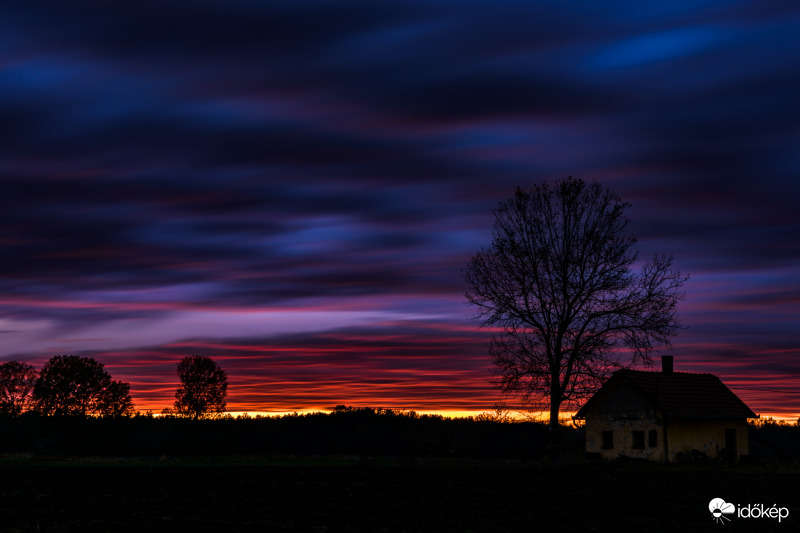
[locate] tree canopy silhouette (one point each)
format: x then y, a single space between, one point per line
16 384
74 385
557 287
204 386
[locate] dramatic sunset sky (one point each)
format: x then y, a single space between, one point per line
292 187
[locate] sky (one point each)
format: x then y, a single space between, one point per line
292 187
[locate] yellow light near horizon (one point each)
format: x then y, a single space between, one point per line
538 416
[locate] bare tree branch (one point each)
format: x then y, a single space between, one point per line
557 282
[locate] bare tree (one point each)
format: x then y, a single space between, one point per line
203 389
556 285
16 384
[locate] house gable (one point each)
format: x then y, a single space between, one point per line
619 398
622 420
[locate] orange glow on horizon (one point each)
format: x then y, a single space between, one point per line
532 416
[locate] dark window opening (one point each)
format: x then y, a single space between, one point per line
608 440
638 440
652 438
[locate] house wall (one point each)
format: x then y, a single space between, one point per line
682 436
623 410
622 433
705 435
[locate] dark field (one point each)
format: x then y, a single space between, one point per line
352 494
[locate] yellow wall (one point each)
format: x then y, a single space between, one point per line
623 429
705 435
682 436
623 410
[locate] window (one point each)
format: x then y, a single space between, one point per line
652 438
608 440
638 440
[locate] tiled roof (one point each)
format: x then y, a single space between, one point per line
681 394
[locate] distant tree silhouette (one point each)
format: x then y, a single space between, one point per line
74 385
117 400
204 386
16 384
557 288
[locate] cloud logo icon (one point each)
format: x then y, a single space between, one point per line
719 508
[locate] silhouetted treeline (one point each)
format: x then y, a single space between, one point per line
347 431
69 385
774 441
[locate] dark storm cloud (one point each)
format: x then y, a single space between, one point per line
164 157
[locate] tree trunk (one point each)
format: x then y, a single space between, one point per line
555 406
553 427
555 400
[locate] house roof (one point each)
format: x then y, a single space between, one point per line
681 394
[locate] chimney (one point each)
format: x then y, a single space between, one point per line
666 364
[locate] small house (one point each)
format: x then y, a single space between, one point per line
665 417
